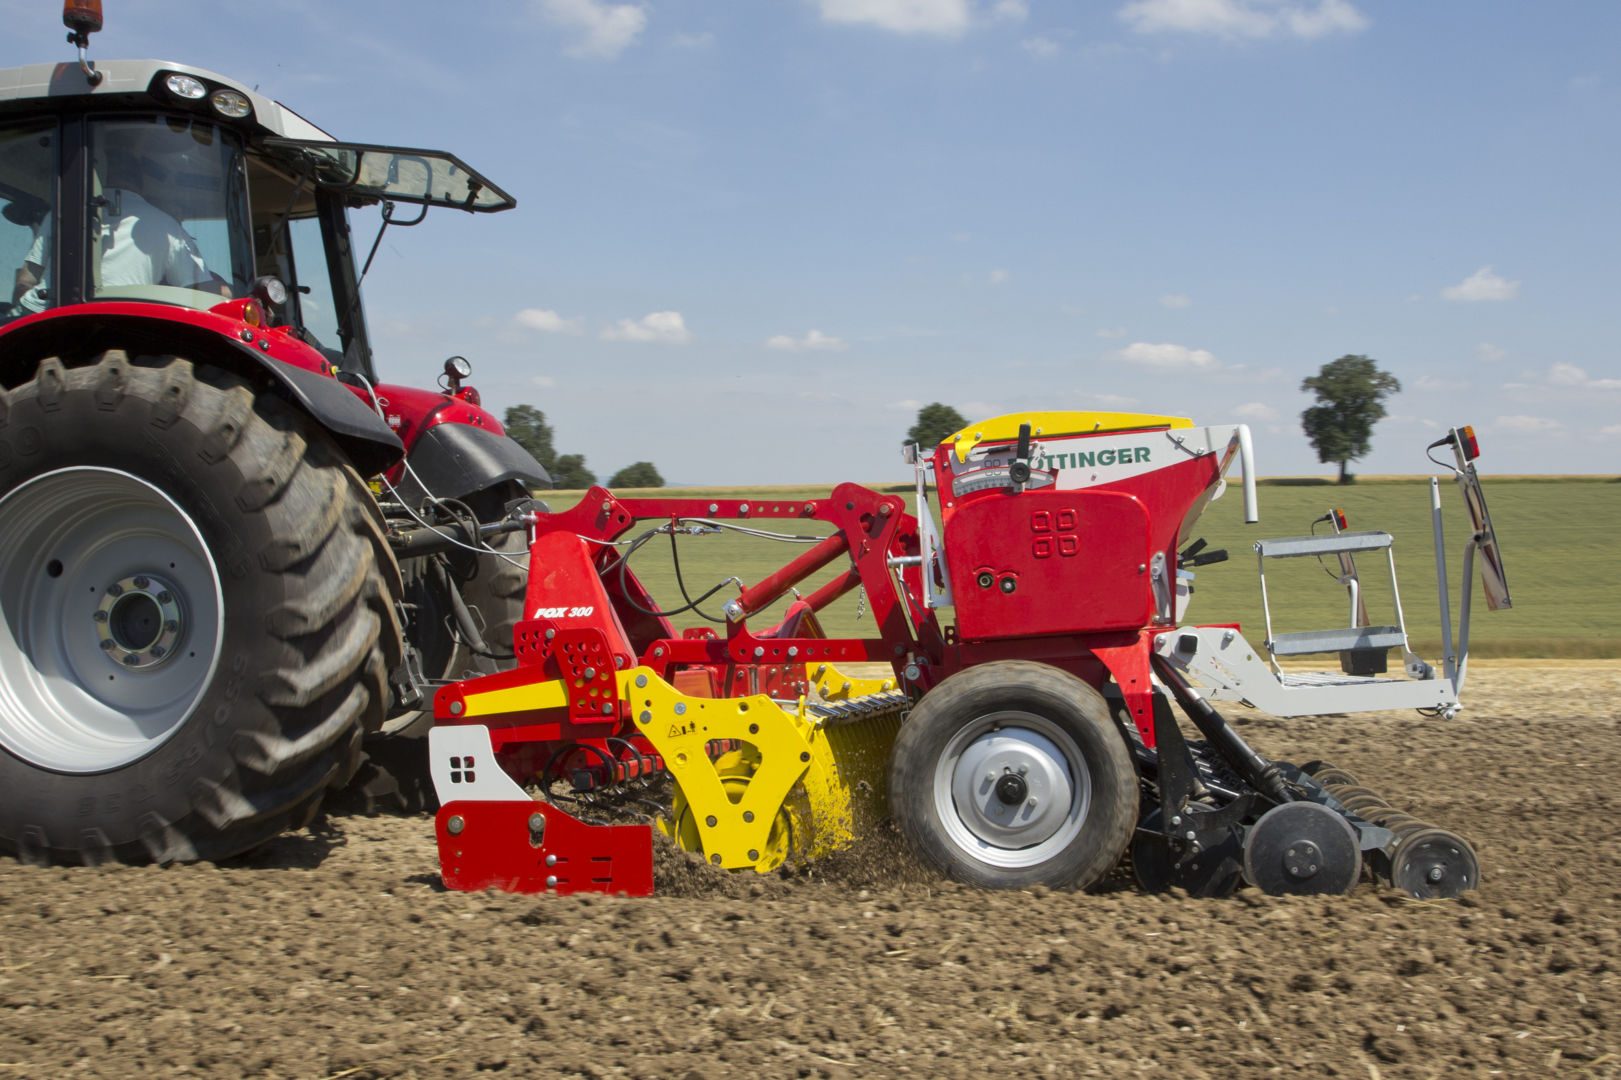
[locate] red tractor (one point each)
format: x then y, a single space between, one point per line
228 552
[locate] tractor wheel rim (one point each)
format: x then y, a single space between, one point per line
111 619
1012 789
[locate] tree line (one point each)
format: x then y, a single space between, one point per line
527 427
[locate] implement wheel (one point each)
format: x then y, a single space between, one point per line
1013 774
196 614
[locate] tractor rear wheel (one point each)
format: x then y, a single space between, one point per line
197 615
1012 774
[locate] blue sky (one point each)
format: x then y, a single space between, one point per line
753 236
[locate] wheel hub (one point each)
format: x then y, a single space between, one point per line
111 618
1012 790
139 621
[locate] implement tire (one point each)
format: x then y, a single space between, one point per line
197 614
1013 774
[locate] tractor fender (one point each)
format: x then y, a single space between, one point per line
369 444
452 460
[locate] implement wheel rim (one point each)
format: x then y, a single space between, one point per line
111 619
1012 789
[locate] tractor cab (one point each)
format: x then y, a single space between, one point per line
151 182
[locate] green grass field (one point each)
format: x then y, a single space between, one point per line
1556 534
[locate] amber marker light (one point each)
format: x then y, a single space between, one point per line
82 16
1468 443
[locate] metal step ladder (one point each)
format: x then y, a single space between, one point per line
1362 647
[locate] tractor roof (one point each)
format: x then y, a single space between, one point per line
136 84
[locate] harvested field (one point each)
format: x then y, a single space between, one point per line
335 952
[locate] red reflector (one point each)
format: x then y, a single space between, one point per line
1467 442
1339 519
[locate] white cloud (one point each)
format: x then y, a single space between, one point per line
605 30
1489 352
1111 401
981 410
1109 333
1432 382
998 276
1042 48
545 382
1254 19
660 327
1571 375
1010 11
1176 300
813 341
947 18
1167 356
1483 284
547 322
1531 425
905 405
693 41
1255 410
1613 431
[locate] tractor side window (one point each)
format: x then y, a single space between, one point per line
171 221
27 165
287 244
317 311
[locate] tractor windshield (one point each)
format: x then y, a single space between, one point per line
169 212
27 187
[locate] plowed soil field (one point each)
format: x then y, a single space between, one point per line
336 952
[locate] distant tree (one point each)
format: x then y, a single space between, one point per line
1351 394
569 471
640 475
934 422
528 428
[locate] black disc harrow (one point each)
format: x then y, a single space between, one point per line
1418 858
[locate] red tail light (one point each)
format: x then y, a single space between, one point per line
1467 443
1339 519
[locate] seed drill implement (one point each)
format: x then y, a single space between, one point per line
1025 730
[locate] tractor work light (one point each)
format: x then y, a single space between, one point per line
184 86
231 104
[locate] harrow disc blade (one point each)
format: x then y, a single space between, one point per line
1433 864
1302 848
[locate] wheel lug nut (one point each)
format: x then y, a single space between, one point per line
171 625
157 651
115 589
165 597
141 581
100 616
130 659
109 644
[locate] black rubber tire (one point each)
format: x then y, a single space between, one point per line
310 630
1045 691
